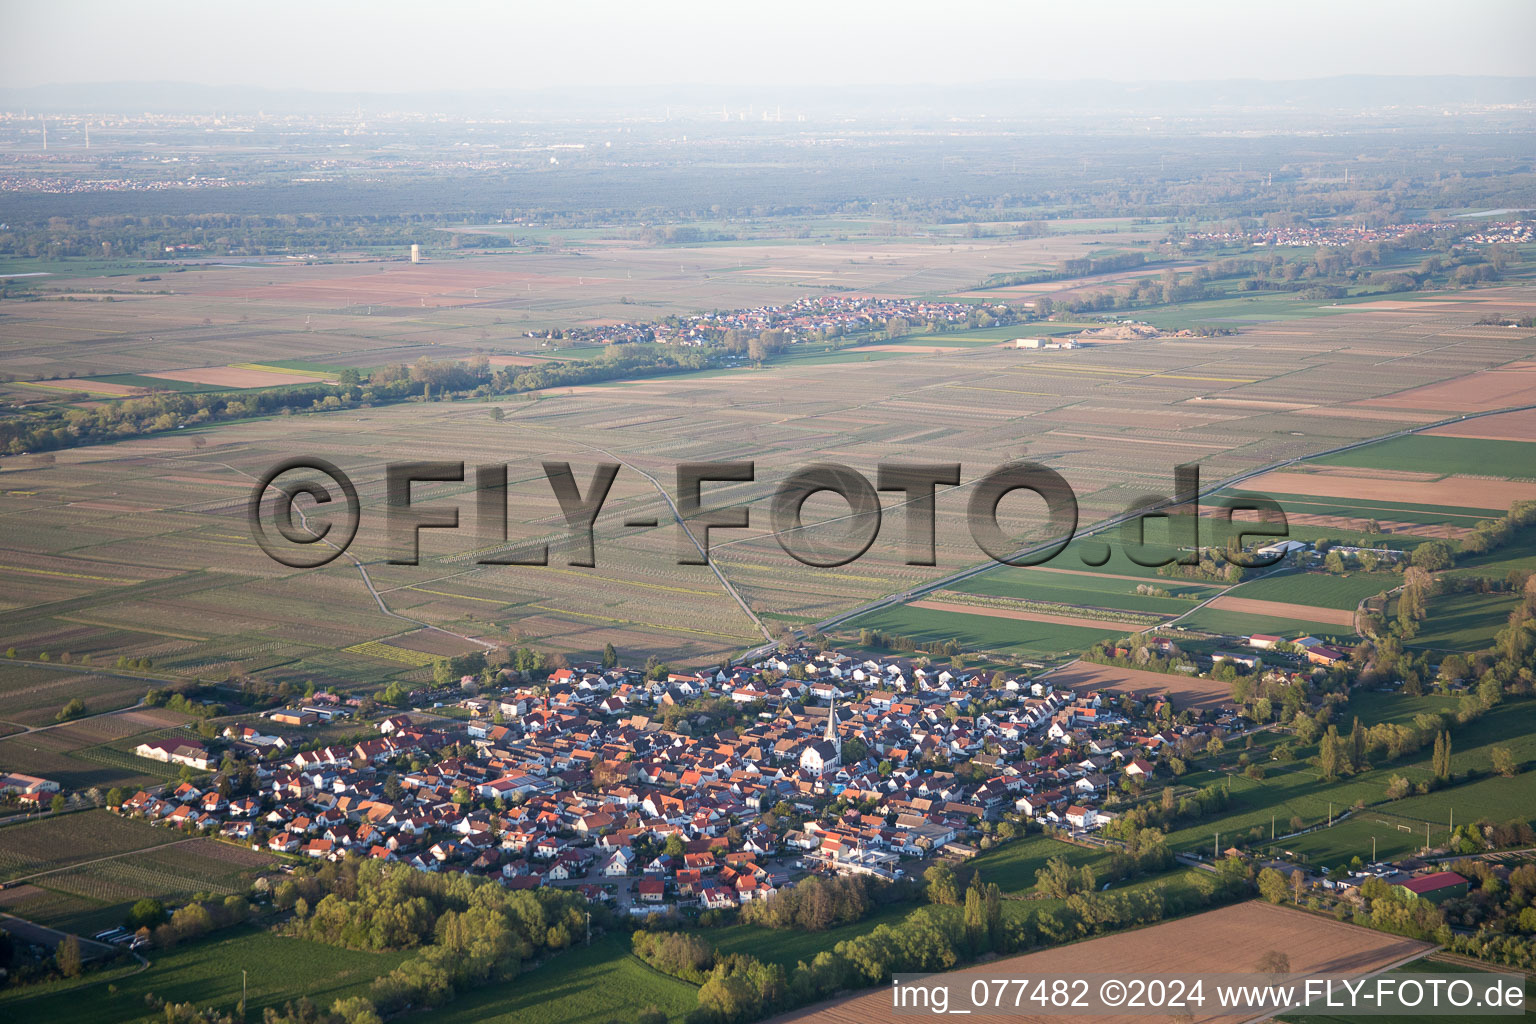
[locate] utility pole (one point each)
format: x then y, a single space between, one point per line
242 993
1216 848
1330 814
1373 849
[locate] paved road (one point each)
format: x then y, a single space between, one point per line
40 935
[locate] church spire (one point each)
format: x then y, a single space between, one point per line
831 735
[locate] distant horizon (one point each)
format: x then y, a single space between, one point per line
1002 98
391 45
82 83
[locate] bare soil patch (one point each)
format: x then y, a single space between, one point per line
1004 613
1509 426
1284 610
1185 691
1361 524
1229 939
1452 490
230 377
1476 392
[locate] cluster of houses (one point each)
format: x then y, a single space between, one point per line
1309 235
1504 232
1313 650
28 790
827 315
837 764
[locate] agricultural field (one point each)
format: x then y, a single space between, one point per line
54 842
1245 622
1295 789
207 972
32 695
1183 690
594 984
1019 638
144 550
1321 589
1192 945
1444 456
1464 622
98 894
93 752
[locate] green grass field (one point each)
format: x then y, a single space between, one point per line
985 632
1449 456
1321 589
1464 622
787 946
1295 788
1088 591
1217 620
586 985
207 973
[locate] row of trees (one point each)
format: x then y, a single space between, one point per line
67 426
817 904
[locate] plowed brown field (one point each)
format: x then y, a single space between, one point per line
1231 939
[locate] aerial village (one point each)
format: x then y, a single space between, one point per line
704 790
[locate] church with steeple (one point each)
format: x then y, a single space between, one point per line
826 754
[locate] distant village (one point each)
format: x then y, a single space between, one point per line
1310 235
819 317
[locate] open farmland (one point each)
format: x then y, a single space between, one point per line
60 841
1318 590
32 695
1229 939
142 549
92 752
99 894
586 985
1295 789
1183 690
204 972
1464 622
1434 453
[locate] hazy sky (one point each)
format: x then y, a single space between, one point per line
385 45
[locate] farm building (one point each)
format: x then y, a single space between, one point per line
1442 885
173 751
15 782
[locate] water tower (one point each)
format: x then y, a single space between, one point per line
415 253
